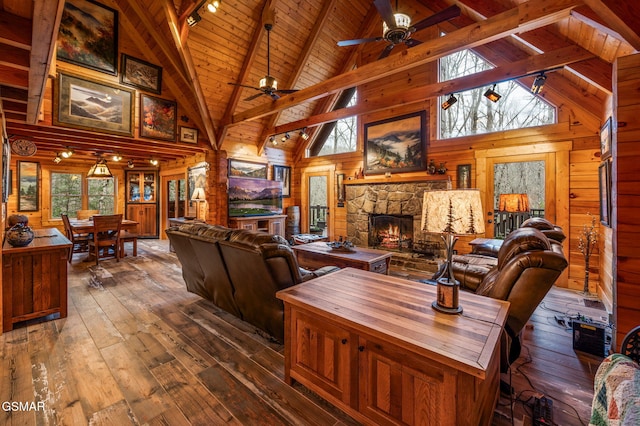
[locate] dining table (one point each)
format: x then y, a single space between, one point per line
84 226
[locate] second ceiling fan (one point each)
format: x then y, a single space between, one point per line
397 28
268 84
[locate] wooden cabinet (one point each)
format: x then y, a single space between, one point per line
323 355
142 201
371 345
34 278
270 224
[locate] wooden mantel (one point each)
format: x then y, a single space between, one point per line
394 179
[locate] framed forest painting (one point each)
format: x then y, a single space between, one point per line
88 36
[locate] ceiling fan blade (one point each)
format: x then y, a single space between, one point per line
285 91
444 15
358 41
384 9
274 96
252 97
412 42
386 51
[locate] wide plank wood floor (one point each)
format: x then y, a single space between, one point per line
137 348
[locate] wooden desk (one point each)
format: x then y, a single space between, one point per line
83 226
34 278
319 254
372 345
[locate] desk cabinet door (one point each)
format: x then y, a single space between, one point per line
322 354
146 216
396 387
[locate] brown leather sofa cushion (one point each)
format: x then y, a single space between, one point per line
521 240
551 231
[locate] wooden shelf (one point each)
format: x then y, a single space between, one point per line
393 179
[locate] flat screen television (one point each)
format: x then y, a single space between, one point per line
254 197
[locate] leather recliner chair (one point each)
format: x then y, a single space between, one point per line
527 266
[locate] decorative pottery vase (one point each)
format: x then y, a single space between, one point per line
19 235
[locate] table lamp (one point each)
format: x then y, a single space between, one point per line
451 213
198 196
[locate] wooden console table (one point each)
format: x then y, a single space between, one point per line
319 254
34 278
372 345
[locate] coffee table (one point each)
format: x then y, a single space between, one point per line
319 254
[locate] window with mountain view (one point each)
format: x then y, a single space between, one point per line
474 114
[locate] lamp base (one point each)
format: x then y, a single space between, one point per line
444 309
447 296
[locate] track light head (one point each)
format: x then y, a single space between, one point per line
193 19
538 83
447 104
492 95
57 159
304 135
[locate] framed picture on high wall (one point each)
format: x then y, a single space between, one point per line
158 118
140 74
88 36
605 139
604 176
397 144
248 169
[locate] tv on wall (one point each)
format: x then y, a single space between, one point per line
254 197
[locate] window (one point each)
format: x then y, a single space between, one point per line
475 114
339 136
67 194
101 195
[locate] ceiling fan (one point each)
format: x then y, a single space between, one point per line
268 84
397 28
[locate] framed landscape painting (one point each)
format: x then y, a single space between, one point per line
239 168
90 105
188 134
140 74
396 145
28 177
88 36
158 118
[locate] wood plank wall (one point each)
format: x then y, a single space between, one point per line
626 196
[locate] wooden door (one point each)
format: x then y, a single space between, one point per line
316 215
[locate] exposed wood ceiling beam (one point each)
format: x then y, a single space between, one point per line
622 16
47 13
185 55
302 60
515 70
544 39
524 17
326 104
249 59
54 138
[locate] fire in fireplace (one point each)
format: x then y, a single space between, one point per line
391 232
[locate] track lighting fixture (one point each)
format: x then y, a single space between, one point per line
57 159
153 162
538 83
213 5
130 164
67 153
492 95
193 19
273 140
304 135
116 157
447 104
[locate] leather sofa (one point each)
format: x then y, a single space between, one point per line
240 271
526 266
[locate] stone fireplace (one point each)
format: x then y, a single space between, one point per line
388 216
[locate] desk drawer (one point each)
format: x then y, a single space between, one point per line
380 266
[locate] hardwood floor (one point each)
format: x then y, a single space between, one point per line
137 348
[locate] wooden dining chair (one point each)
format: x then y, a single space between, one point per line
106 237
86 214
128 237
80 241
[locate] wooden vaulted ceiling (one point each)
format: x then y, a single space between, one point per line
520 37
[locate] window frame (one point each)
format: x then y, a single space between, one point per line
84 192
